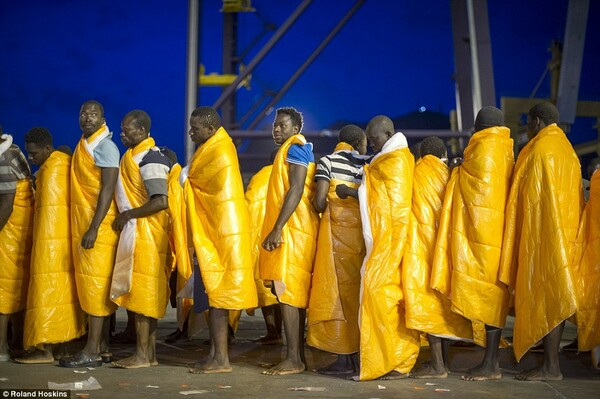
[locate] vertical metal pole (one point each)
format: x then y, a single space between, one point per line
230 62
191 90
462 62
476 82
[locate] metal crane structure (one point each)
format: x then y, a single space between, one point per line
474 76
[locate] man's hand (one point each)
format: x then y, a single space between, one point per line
89 238
342 191
120 221
273 240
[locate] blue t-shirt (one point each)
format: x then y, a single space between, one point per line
299 154
106 154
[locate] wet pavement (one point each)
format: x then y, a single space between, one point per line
170 379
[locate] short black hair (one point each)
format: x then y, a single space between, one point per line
140 119
65 149
208 116
433 145
547 112
39 136
294 114
351 134
96 103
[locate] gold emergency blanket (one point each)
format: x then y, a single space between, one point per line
469 242
94 266
15 250
53 312
256 198
542 219
385 197
335 290
427 310
586 271
179 242
220 225
143 244
291 263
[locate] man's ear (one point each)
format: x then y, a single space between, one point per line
296 129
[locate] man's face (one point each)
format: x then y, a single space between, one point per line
90 119
36 154
362 146
283 128
533 126
131 134
199 132
377 137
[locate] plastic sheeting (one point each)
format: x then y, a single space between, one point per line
542 219
292 262
220 225
53 312
385 202
149 291
428 310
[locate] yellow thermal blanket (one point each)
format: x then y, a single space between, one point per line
53 311
15 251
428 310
291 263
256 198
334 299
542 218
220 225
94 266
469 241
586 271
143 252
179 243
385 197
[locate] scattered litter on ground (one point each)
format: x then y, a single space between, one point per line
183 386
79 371
124 384
90 384
152 386
419 388
3 379
82 395
380 387
442 390
193 392
313 389
430 383
91 368
224 386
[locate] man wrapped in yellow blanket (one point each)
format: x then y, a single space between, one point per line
586 270
290 233
16 220
334 295
53 312
141 275
542 218
220 226
94 172
388 349
469 242
428 310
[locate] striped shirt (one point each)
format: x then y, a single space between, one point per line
341 165
13 167
154 168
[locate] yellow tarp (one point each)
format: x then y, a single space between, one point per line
220 224
428 310
586 271
15 251
335 290
93 267
256 198
385 199
542 219
291 263
53 312
147 247
469 242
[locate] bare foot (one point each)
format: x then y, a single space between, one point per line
270 340
38 356
286 367
132 362
212 367
429 371
483 372
540 374
393 375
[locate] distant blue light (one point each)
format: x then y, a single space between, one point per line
422 109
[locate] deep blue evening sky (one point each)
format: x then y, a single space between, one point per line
391 58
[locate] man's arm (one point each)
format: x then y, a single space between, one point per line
156 204
343 191
291 201
107 191
320 200
6 208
